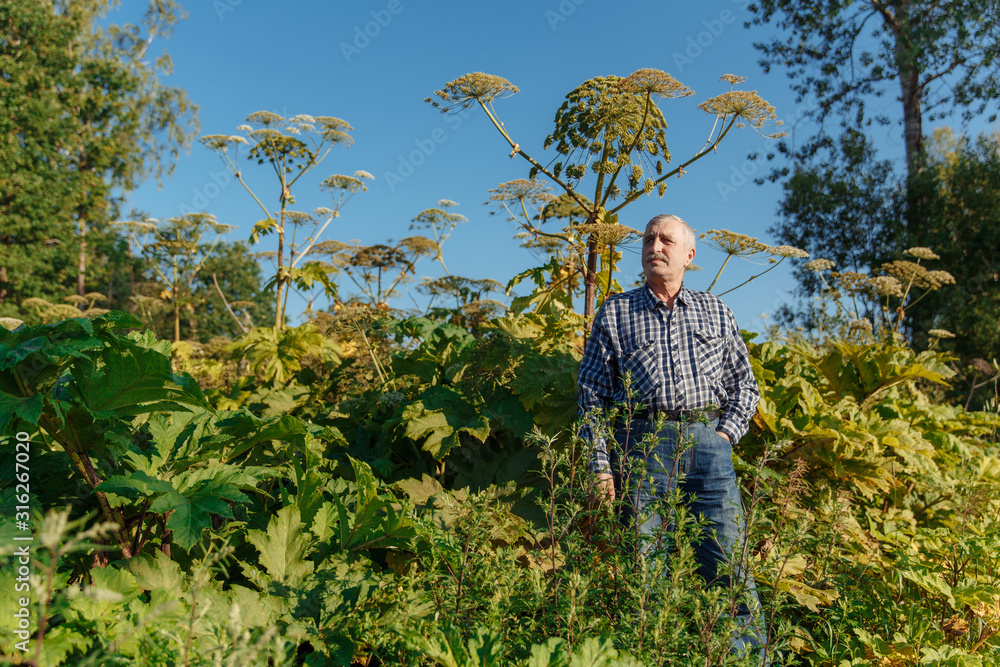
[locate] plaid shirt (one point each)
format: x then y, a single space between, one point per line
690 358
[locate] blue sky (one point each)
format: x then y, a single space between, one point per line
373 63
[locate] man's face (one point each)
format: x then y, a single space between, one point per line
665 254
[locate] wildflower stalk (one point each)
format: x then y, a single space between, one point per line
748 280
378 366
719 273
276 140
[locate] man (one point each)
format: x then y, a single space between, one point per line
685 358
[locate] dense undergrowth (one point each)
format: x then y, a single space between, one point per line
415 494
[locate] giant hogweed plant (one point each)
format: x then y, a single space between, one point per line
907 489
292 147
873 306
348 569
613 127
296 584
147 612
530 202
176 249
139 442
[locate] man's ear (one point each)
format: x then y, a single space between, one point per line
691 254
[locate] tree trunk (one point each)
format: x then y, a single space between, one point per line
177 318
590 293
192 319
911 90
81 267
911 95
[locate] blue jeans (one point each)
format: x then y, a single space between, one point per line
703 469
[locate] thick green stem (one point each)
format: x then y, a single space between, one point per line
81 461
716 279
570 191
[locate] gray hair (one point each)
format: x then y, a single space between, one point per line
689 235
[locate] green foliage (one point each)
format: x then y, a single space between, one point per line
443 517
276 354
455 391
146 612
88 120
894 488
963 190
140 437
844 206
176 251
911 46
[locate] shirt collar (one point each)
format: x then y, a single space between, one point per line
650 302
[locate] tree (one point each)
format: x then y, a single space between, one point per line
613 127
86 119
841 202
844 206
841 53
963 188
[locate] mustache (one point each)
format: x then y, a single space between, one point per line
656 255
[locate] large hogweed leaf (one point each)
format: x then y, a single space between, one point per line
48 368
190 498
275 354
448 648
546 387
283 548
442 347
437 419
864 370
367 518
134 376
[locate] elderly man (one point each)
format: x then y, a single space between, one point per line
686 360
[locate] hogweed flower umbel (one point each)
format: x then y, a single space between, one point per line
748 106
819 265
788 251
850 281
731 243
921 253
940 333
607 234
886 286
654 82
469 88
916 275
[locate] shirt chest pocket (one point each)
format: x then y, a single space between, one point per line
709 353
641 365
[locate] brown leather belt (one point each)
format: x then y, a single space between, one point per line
676 415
